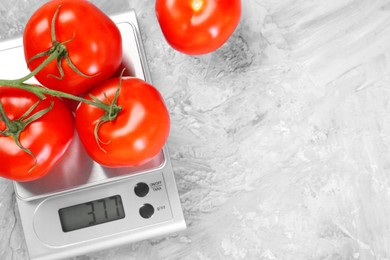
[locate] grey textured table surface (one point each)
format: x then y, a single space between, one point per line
280 139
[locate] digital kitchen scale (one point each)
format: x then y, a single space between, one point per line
80 206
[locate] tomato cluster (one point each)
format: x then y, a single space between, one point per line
73 49
122 121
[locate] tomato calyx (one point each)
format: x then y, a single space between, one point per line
15 127
111 112
59 52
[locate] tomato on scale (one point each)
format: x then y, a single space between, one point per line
92 41
197 26
34 134
132 132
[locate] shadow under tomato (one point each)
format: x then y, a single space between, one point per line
154 163
129 72
73 170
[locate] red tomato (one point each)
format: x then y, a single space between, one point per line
136 135
47 138
94 44
198 26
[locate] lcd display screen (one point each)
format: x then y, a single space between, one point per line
91 213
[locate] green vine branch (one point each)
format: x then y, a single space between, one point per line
57 52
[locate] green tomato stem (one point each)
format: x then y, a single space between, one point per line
41 91
16 82
57 52
4 116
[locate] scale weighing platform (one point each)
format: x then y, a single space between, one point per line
80 206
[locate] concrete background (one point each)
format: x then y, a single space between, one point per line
280 139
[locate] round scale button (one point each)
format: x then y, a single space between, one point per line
141 189
146 211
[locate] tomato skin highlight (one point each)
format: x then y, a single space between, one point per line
48 138
94 44
197 27
136 135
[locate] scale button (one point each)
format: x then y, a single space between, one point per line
141 189
146 211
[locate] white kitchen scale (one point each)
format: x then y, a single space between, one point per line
80 206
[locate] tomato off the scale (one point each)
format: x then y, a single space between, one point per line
198 26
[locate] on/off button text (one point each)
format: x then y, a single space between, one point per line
156 186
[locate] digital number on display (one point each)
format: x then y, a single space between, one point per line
91 213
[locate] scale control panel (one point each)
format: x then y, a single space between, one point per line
104 211
102 216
